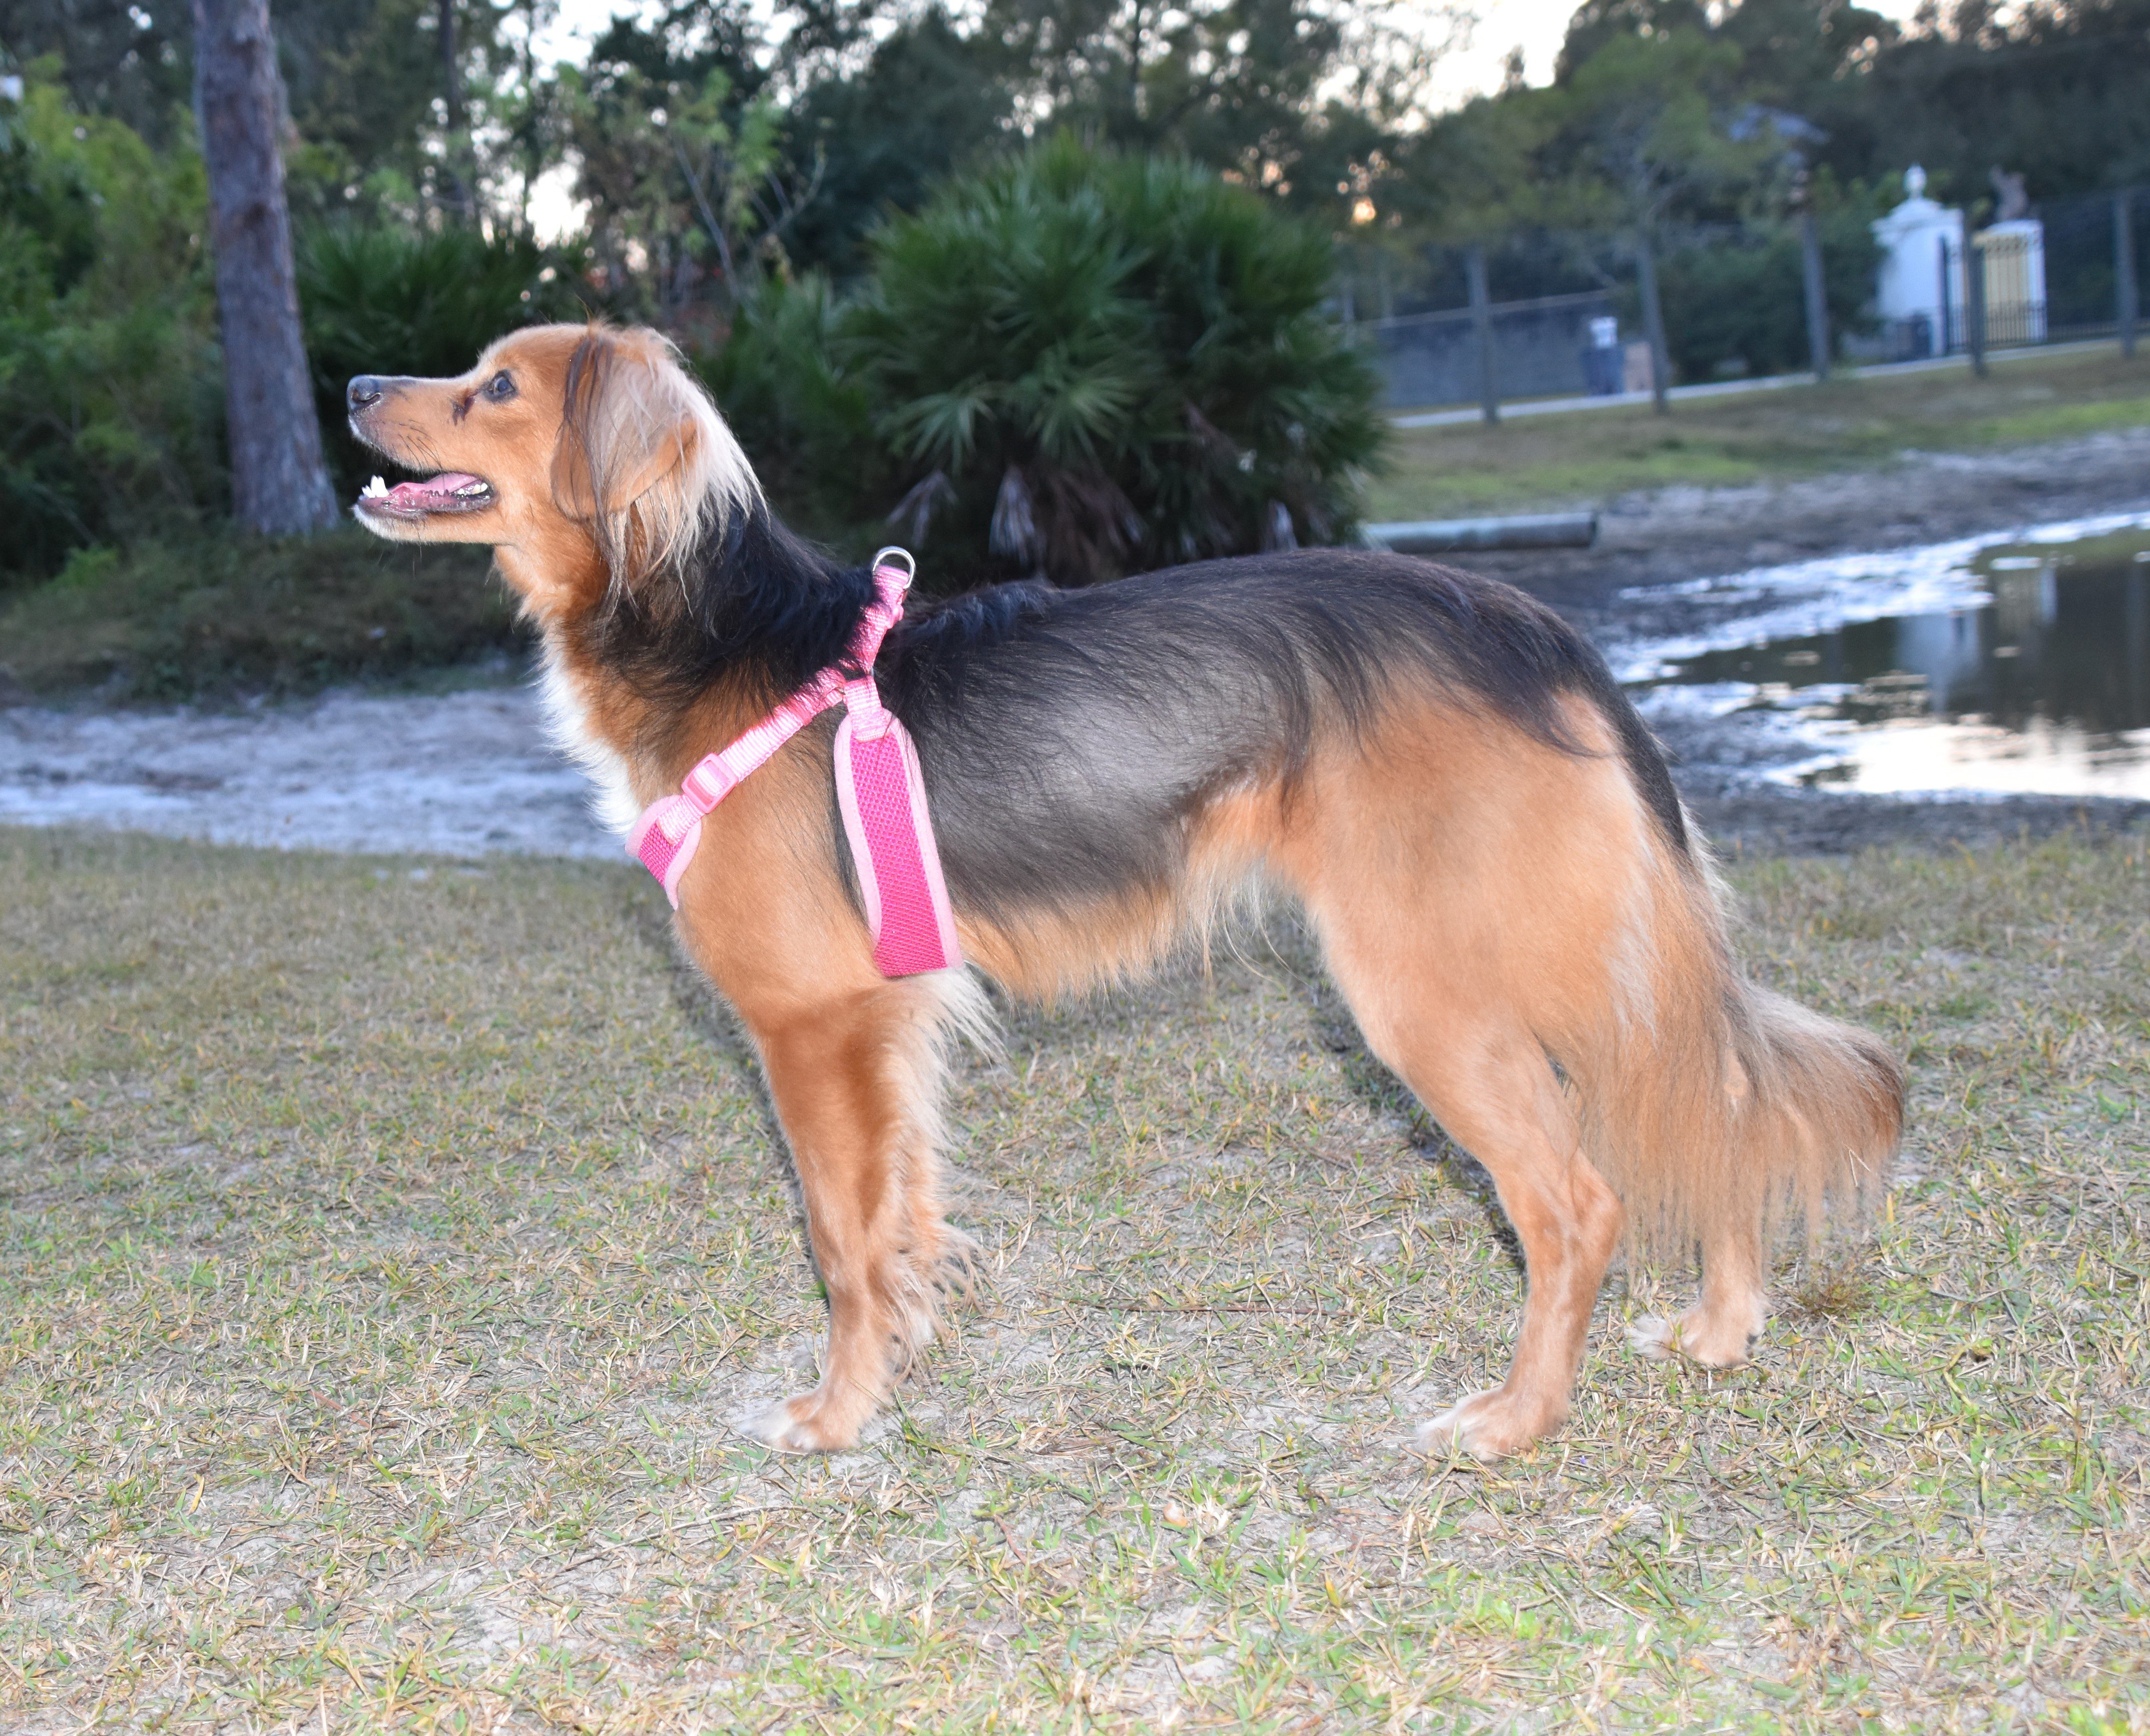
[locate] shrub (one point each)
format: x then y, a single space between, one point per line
111 387
1746 302
807 422
1075 365
380 300
1091 364
111 400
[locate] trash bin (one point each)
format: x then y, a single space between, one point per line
1601 361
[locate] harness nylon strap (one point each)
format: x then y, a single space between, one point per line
879 788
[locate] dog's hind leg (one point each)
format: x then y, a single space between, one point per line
1471 889
856 1085
1728 1317
1485 1078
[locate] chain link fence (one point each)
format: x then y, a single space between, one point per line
1739 301
1545 347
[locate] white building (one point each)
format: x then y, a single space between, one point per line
1921 292
1915 285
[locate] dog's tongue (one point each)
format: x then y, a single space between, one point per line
442 487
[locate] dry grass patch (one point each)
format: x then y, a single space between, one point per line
387 1246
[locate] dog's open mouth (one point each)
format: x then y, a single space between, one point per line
450 492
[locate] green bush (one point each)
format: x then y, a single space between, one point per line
1091 364
378 301
111 400
210 616
1733 303
1073 364
807 422
111 385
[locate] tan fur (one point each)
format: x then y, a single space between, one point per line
1516 937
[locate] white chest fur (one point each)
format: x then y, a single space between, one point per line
567 718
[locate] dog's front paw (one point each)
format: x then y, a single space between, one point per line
803 1425
1488 1425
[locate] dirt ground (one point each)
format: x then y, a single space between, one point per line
1669 535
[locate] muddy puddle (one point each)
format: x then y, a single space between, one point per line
2015 664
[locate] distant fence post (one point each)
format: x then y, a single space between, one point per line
1817 295
1948 306
1974 297
1481 323
2125 308
1654 322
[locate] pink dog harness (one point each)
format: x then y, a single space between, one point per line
878 787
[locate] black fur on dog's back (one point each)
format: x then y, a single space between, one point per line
1068 737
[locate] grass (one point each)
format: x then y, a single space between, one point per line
386 1246
1850 423
220 617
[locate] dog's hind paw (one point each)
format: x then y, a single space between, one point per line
801 1425
1488 1425
1706 1341
1655 1336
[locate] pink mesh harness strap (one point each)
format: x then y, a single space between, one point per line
879 788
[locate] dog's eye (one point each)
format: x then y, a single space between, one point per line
500 388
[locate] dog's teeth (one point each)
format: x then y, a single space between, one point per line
472 488
375 489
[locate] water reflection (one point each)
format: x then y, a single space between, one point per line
2045 687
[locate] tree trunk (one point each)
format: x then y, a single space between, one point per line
1974 302
1653 323
1482 325
457 142
1817 295
280 486
2123 268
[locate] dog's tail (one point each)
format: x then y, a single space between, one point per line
1711 1104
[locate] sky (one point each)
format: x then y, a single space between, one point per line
1535 26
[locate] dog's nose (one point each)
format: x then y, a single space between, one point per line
363 393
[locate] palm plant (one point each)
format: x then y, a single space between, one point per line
1089 364
802 415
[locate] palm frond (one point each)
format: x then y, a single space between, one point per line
1113 363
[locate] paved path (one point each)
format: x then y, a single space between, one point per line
1723 388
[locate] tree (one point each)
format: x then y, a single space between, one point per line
675 136
115 57
386 99
280 486
2054 92
1297 99
928 100
1641 130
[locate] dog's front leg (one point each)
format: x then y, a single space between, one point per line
857 1086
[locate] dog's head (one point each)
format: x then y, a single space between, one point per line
561 436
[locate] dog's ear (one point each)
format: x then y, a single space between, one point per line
642 456
627 423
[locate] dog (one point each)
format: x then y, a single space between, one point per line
1481 832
